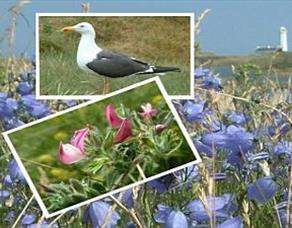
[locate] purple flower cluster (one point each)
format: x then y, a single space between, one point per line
206 79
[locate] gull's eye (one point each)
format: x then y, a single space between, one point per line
81 26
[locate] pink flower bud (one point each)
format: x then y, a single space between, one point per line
112 117
69 154
79 138
148 111
124 132
159 128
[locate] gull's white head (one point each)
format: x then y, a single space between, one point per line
82 28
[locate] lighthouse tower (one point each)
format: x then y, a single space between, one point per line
283 39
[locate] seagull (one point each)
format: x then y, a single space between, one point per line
93 59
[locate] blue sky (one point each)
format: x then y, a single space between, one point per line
233 27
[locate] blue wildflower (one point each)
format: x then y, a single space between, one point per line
221 207
15 172
12 123
24 88
211 82
237 118
176 219
4 194
162 213
7 106
262 190
233 138
7 181
97 213
194 111
232 223
127 198
28 219
199 72
35 108
283 148
203 148
70 103
162 184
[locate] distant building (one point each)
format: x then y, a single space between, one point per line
266 49
283 39
283 46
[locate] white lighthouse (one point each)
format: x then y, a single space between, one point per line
283 39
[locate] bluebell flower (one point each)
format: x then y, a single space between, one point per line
162 213
162 184
24 88
176 219
221 207
12 123
232 223
203 148
194 111
7 181
35 108
4 194
97 213
284 147
211 82
127 198
70 103
281 125
262 190
7 106
237 118
10 217
28 219
170 217
15 172
199 72
233 138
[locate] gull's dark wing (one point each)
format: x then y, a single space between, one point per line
115 65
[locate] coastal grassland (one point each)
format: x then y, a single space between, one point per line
280 61
162 41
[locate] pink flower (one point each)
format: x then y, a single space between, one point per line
148 111
69 154
79 138
124 132
112 117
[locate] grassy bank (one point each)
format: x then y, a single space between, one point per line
281 62
161 41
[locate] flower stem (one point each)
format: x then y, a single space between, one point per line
141 171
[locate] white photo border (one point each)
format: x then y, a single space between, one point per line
30 182
191 15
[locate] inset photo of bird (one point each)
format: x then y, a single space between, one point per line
96 55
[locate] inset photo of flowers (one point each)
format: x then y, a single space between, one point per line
101 147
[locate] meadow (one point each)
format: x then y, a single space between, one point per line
243 134
157 40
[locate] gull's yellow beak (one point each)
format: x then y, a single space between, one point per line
68 29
